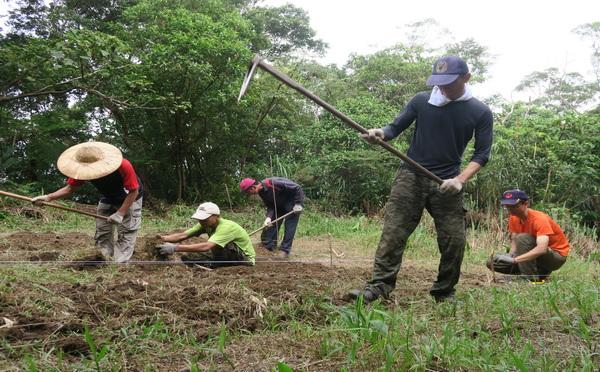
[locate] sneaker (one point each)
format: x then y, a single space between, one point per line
285 255
367 295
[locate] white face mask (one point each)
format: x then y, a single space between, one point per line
439 100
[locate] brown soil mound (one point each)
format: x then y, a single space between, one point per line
89 262
150 243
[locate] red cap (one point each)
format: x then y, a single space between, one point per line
246 183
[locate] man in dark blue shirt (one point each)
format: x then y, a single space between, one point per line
446 119
280 196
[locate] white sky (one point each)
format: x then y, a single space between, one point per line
523 36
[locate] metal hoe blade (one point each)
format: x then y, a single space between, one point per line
249 76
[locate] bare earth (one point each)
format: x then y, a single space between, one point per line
109 299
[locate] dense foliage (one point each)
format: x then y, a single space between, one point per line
160 80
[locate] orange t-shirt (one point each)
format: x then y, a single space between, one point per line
539 223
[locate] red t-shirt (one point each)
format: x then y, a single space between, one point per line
114 187
539 223
129 178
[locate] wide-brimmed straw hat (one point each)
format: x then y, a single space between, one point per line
89 160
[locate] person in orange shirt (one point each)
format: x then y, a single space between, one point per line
538 245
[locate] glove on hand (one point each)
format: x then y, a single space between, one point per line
505 258
267 221
115 218
451 186
167 248
297 208
373 135
39 199
503 263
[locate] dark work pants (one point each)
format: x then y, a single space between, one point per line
230 255
410 195
543 265
269 235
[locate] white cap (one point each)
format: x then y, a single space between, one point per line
206 210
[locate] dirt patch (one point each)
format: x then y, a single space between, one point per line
73 345
184 301
45 256
89 262
25 241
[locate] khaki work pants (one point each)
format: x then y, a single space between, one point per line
120 249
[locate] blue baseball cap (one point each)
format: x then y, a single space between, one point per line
446 70
512 197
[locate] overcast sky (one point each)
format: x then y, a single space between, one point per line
524 36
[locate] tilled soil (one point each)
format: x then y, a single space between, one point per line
54 313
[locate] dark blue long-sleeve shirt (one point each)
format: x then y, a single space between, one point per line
442 133
281 193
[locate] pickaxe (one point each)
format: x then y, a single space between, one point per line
258 62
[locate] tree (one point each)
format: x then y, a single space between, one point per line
559 91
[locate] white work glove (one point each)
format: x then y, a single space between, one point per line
39 199
451 186
507 258
297 208
167 248
115 218
267 221
373 135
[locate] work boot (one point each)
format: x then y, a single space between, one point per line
450 298
270 249
368 295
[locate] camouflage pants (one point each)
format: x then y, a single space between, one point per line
412 193
119 249
230 255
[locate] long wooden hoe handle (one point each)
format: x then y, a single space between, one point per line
58 206
272 222
258 62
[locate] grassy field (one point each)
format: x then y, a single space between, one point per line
285 315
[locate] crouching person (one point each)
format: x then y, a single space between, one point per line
538 245
228 243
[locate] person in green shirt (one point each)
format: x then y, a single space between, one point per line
228 243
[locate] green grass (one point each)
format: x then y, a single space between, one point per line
521 327
515 326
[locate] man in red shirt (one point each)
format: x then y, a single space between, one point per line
538 245
122 193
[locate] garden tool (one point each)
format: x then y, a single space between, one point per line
258 62
21 197
271 224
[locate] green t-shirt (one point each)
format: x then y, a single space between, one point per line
226 231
